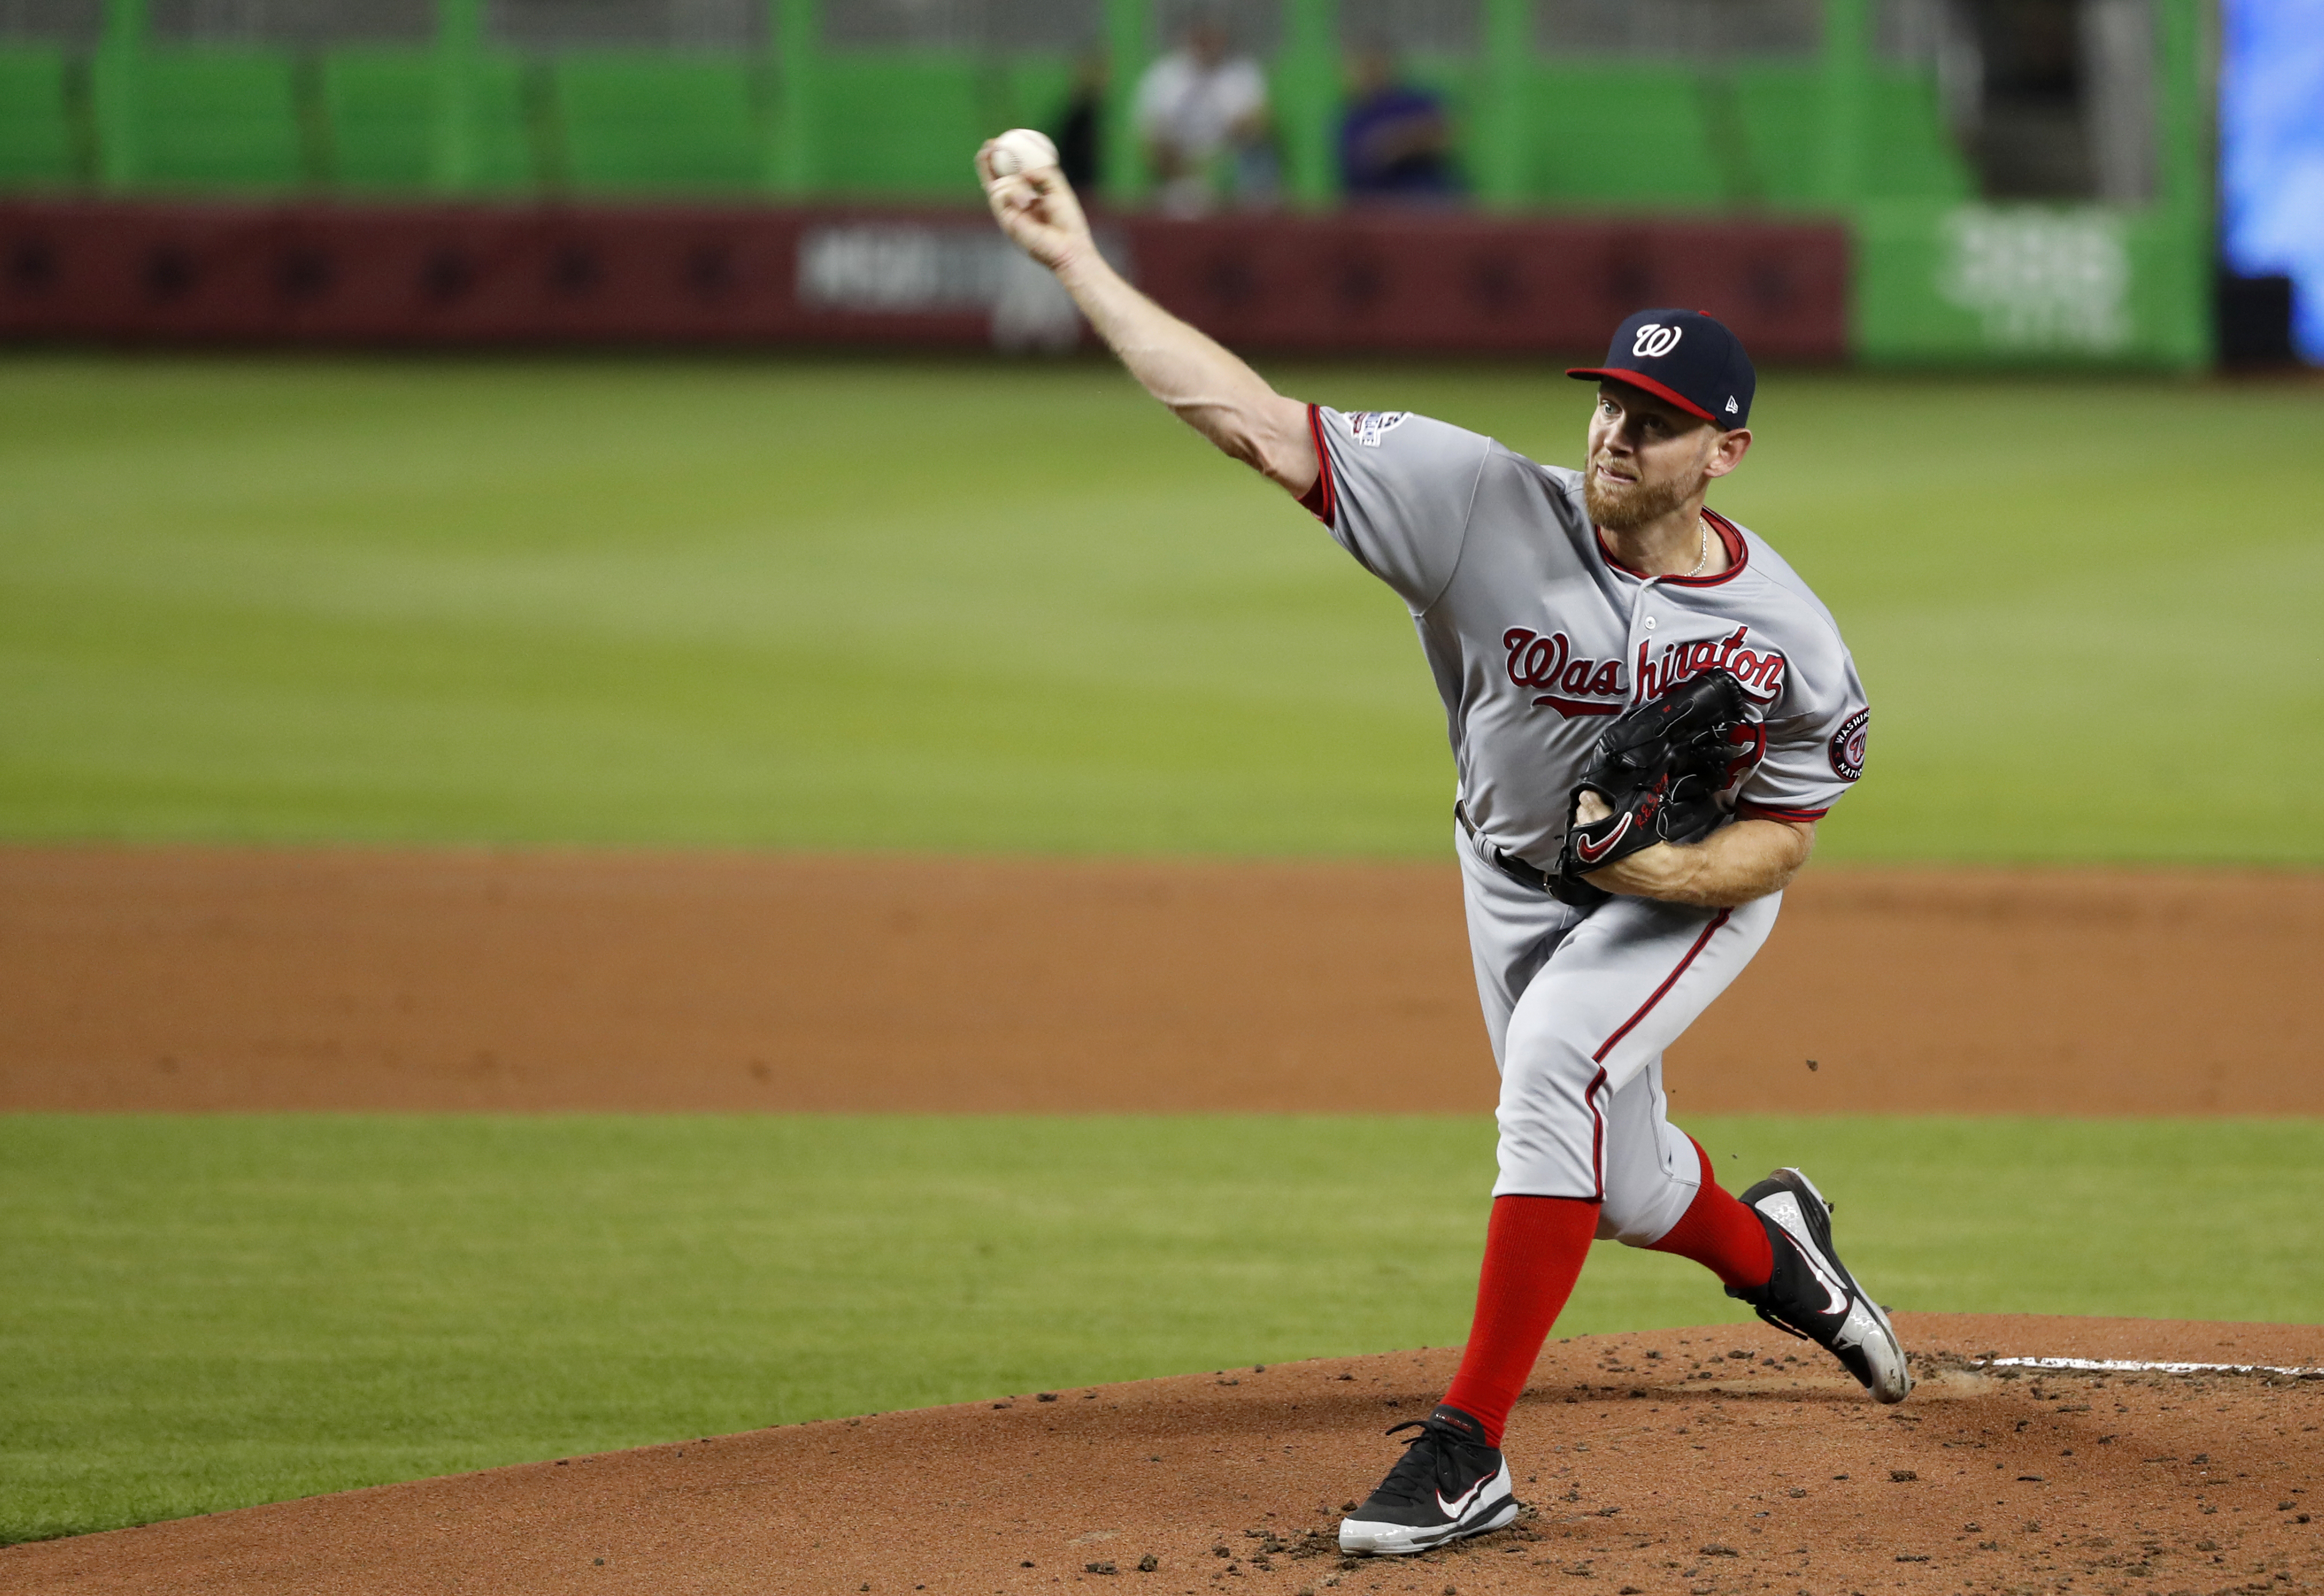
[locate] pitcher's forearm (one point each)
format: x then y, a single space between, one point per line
1206 386
1727 870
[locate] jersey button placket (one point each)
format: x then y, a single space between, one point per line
1641 625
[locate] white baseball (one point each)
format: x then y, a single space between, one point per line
1022 149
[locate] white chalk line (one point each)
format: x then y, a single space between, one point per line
2136 1366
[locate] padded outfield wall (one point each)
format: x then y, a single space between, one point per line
1812 110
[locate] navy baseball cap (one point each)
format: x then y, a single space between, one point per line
1683 356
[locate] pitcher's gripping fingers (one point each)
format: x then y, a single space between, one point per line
1037 210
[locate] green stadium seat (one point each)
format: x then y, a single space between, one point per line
1908 154
220 118
1619 135
896 122
36 134
381 107
505 148
1783 115
634 122
899 125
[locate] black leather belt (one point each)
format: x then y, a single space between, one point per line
1501 859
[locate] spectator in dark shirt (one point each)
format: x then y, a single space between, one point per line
1394 144
1080 137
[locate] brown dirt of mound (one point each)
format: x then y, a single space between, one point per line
170 979
1702 1462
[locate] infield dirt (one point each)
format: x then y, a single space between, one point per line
1706 1462
176 979
1703 1462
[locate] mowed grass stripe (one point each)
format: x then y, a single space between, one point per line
209 1311
985 607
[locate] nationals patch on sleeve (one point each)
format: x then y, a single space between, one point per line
1848 746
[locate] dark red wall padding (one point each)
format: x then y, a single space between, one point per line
475 275
1457 283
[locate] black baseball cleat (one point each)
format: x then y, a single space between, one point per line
1813 1296
1448 1485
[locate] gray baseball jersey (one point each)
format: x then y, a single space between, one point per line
1537 635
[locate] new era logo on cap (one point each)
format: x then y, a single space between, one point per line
1685 357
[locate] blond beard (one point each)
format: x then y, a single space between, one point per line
1625 509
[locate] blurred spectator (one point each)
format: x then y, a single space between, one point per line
1394 142
1080 150
1202 115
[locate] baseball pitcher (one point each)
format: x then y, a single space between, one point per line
1649 713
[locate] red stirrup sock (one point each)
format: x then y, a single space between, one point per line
1534 1249
1721 1233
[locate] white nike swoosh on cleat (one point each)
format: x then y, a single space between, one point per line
1838 1297
1784 1208
1456 1507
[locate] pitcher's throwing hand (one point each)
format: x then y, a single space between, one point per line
1035 207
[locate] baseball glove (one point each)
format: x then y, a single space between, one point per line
1659 770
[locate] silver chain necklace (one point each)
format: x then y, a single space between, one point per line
1702 554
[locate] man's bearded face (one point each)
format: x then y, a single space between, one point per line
1619 506
1646 459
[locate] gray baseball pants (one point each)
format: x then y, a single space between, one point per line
1580 1007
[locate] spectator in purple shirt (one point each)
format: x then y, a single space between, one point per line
1394 144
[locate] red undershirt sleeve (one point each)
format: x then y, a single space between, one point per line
1318 500
1768 811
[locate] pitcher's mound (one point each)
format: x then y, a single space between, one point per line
1674 1462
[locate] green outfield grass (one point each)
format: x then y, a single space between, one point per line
209 1311
978 605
